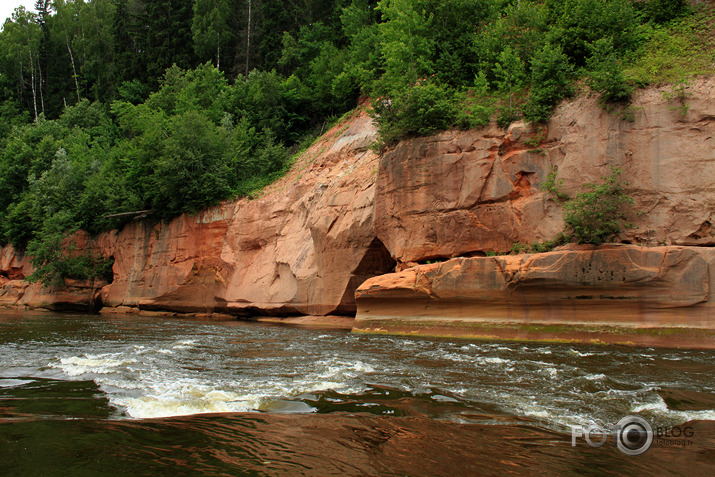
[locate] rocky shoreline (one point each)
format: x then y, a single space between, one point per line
413 240
659 296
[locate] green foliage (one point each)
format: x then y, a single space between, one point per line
54 259
474 110
536 140
676 51
114 106
521 27
540 247
605 74
518 247
133 91
407 42
581 23
201 89
507 116
211 28
662 11
192 170
418 111
553 186
628 113
176 153
549 245
678 93
509 71
597 215
550 72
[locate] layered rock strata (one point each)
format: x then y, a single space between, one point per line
300 249
343 214
460 192
625 289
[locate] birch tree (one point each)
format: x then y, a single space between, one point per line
211 28
20 47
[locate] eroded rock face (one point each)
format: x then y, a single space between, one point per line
622 285
302 248
464 192
343 215
14 267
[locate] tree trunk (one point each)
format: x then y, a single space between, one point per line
42 97
21 86
74 70
248 37
32 82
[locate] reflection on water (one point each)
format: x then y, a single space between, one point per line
331 403
315 444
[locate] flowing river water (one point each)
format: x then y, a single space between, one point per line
117 395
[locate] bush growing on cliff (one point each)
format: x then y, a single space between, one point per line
54 258
192 170
605 73
662 11
418 111
549 78
599 214
136 133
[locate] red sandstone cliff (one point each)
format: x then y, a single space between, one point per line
301 248
343 215
460 192
618 293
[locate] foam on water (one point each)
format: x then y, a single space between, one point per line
656 407
579 353
152 382
13 383
79 365
186 398
161 368
493 360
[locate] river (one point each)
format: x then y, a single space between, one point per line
113 395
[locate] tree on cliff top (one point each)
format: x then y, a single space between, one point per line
179 138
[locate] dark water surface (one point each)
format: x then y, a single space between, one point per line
95 395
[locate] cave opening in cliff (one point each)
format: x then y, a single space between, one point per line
376 261
107 272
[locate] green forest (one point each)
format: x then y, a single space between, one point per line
109 107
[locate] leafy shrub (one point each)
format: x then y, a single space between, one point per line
192 170
417 111
507 116
475 105
552 186
683 48
605 73
473 115
539 247
522 26
54 261
597 215
661 11
549 79
510 72
549 245
583 22
518 247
